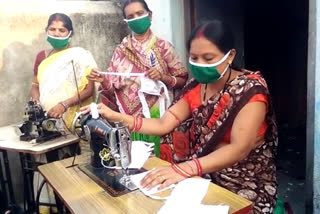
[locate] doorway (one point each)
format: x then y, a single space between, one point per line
272 37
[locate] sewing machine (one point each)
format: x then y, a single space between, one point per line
111 153
37 125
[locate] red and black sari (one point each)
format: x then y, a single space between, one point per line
254 177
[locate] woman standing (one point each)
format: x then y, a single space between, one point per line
143 53
56 70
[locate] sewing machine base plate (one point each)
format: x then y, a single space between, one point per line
109 179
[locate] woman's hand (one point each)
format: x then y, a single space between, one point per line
103 110
162 175
56 111
154 74
95 76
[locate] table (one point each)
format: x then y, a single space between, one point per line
9 141
80 194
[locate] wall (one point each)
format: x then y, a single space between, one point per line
97 27
313 110
22 35
169 23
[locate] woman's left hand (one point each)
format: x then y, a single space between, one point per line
162 175
56 111
154 74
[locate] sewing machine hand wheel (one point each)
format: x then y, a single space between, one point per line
77 128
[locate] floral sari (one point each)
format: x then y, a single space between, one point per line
132 56
254 177
60 74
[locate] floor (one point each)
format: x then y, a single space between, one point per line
291 162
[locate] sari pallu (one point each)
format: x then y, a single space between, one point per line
254 177
58 75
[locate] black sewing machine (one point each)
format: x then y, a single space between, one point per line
111 153
37 125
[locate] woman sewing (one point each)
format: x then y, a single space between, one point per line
56 69
144 53
221 127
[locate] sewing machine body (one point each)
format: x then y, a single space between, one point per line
37 125
111 153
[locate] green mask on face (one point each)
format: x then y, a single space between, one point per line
139 25
58 42
207 73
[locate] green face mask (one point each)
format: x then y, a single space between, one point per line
207 73
139 25
58 42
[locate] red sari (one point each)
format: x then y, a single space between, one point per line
254 177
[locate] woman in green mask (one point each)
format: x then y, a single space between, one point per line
220 127
53 84
144 53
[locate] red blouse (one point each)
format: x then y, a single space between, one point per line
193 98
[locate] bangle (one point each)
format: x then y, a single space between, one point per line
180 171
139 123
133 128
35 83
198 166
174 81
64 105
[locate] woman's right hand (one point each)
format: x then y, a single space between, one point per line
95 76
103 110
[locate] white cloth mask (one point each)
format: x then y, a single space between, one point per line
152 87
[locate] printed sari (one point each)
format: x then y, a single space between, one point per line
132 56
254 177
60 74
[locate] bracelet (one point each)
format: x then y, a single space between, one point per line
139 123
35 83
191 167
198 166
64 105
180 171
174 81
134 125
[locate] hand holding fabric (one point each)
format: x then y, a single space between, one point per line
154 74
95 76
162 175
103 110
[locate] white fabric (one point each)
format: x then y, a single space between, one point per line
152 87
61 71
187 197
136 179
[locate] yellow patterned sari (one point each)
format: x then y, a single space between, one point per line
58 77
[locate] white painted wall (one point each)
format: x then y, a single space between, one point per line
168 22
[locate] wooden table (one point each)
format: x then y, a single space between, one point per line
80 194
10 141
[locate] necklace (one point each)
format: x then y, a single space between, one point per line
224 88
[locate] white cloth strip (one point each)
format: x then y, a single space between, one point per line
122 74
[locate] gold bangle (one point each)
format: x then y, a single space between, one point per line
34 83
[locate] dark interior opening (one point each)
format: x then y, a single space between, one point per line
272 37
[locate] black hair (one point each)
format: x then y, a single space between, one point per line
217 32
67 23
127 2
